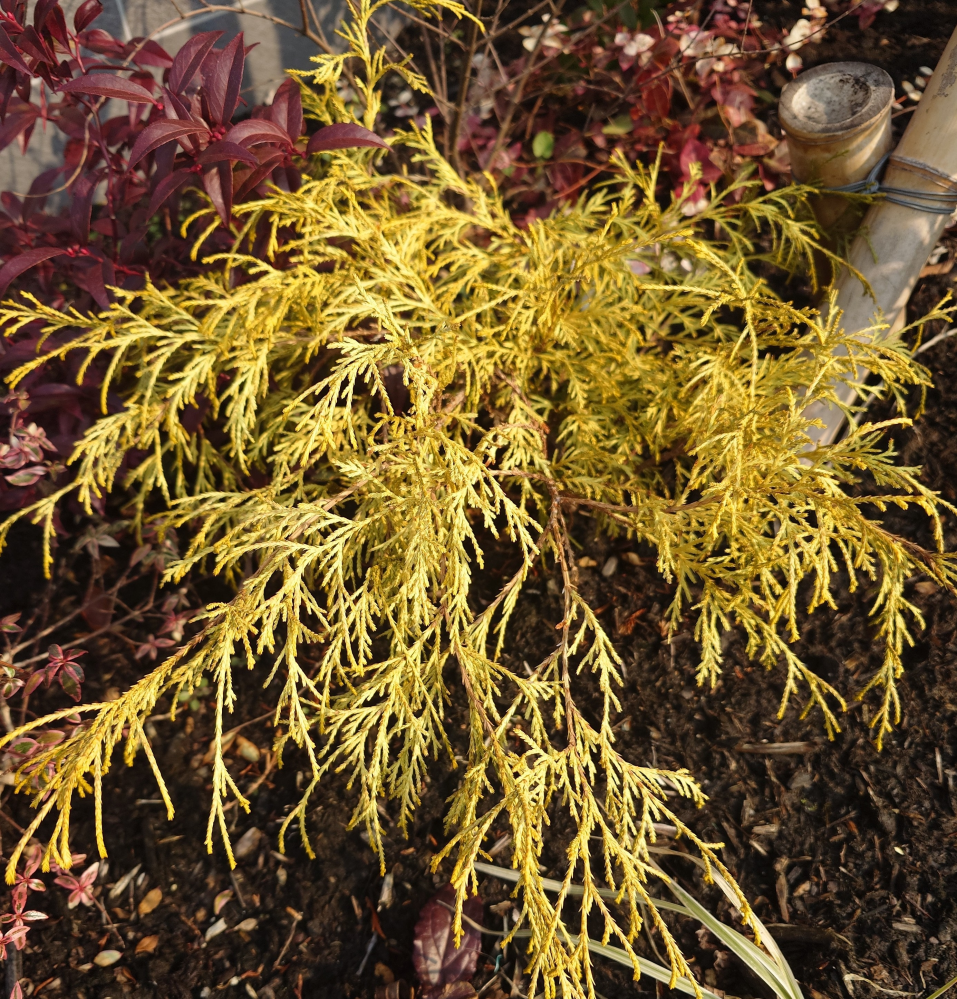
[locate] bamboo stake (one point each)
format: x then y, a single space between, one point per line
837 121
895 240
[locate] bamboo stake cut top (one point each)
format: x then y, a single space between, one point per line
895 241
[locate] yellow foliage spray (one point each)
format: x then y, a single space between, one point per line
558 367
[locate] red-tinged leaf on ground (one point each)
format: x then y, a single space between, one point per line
109 85
86 14
158 134
286 108
98 610
223 76
253 130
187 61
343 136
438 962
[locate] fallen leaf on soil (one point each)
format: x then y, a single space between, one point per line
249 751
247 925
220 900
944 267
149 901
454 990
248 845
107 957
438 962
211 751
777 748
218 927
125 976
394 990
384 972
148 944
124 881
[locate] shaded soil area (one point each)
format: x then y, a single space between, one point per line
849 855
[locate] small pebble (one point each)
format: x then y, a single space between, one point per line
248 845
609 568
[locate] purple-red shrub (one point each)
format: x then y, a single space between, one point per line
130 180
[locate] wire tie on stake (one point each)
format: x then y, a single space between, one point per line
932 202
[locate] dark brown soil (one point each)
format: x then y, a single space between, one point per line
850 855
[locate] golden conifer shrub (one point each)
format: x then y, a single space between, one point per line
420 373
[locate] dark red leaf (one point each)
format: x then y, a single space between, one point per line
436 959
224 150
98 610
188 60
218 184
17 122
102 42
109 85
86 14
253 130
93 278
286 108
223 76
81 204
146 52
8 80
31 43
287 177
158 134
10 55
343 136
56 26
259 174
166 187
42 11
23 261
